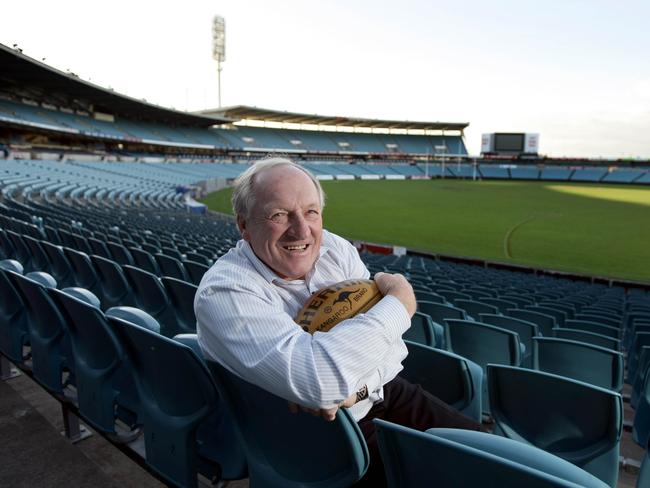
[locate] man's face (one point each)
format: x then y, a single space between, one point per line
284 225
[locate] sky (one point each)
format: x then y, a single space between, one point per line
576 72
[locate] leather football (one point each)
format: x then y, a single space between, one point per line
333 304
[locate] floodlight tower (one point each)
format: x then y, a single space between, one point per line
219 46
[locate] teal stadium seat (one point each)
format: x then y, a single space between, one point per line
178 397
448 376
585 362
285 450
456 458
578 422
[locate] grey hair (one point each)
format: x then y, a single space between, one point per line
243 194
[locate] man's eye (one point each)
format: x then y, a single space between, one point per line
312 214
279 217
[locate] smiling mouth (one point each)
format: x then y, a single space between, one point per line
301 247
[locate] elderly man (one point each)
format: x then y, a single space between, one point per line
246 303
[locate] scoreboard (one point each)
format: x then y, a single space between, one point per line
510 143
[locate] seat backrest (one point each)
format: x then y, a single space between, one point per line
13 320
39 259
576 421
116 290
585 362
448 376
103 372
465 458
48 337
181 296
556 313
501 304
439 312
99 247
474 308
545 323
178 396
21 251
195 270
281 447
599 319
60 267
429 296
144 260
119 253
588 337
83 271
594 327
526 331
150 295
172 267
422 330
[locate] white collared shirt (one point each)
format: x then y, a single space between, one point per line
245 322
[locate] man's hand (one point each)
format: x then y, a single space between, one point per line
328 414
399 287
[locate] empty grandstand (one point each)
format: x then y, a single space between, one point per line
102 246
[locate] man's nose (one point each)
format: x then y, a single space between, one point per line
298 227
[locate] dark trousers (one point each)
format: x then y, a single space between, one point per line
408 405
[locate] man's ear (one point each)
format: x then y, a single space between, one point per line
241 225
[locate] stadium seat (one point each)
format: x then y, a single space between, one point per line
424 331
448 376
119 253
428 296
59 267
594 327
105 385
598 318
21 253
144 260
439 313
545 323
456 458
483 344
556 313
585 362
83 271
99 248
51 351
39 259
151 296
178 396
13 320
115 287
641 426
588 337
475 308
280 446
172 267
181 297
526 331
501 304
195 270
643 481
578 422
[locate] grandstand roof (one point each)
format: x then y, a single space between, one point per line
17 69
243 112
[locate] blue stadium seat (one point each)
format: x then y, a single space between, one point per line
585 362
195 270
172 267
178 396
424 331
181 297
456 458
448 376
588 337
545 323
105 385
59 267
483 344
578 422
526 331
114 285
13 320
280 446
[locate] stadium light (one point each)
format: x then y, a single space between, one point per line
219 46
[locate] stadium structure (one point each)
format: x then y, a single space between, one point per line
99 231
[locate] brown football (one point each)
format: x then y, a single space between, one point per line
330 305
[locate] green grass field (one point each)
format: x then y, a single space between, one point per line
601 230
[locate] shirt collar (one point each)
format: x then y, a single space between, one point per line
267 273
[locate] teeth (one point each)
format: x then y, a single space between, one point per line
296 248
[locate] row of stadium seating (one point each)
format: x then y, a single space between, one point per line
76 264
239 137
